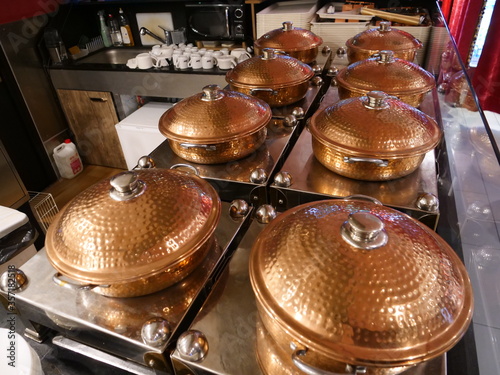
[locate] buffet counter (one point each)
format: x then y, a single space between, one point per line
462 174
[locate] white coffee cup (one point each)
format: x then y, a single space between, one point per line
207 62
176 55
167 52
144 61
241 54
217 54
182 62
156 50
225 51
226 62
159 61
195 61
132 63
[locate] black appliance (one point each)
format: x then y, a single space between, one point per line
217 20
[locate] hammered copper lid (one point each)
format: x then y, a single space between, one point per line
384 37
375 125
361 283
270 69
214 116
386 73
288 39
132 225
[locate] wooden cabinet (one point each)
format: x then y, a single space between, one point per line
92 119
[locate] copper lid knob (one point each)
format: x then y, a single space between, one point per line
211 92
364 231
385 26
125 186
268 54
287 25
385 56
376 100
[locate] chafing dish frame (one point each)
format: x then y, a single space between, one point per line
46 308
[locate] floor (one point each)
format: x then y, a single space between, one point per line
64 190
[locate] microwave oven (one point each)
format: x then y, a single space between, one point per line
217 20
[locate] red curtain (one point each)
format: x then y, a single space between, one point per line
446 6
463 23
486 77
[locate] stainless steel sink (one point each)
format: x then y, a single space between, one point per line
112 56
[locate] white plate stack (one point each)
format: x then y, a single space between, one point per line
299 12
335 34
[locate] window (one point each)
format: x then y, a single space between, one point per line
484 24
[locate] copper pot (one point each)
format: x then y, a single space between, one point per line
241 170
363 45
233 126
136 233
294 41
373 138
125 315
459 93
400 192
397 77
277 79
355 283
276 360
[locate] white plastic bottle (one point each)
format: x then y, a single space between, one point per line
67 159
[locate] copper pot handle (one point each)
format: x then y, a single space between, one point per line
354 159
56 278
194 145
310 370
363 197
265 89
187 166
280 52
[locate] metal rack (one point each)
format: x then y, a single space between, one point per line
44 207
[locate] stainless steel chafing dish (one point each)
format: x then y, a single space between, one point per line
230 326
216 126
135 334
302 178
294 41
350 286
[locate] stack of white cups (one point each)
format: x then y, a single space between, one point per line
184 56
